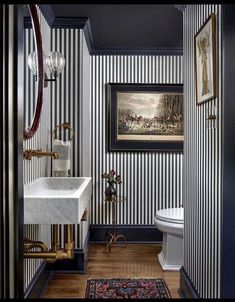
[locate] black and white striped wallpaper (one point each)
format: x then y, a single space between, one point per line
67 95
11 130
61 104
65 92
202 165
36 167
151 180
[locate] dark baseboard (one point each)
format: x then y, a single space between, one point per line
39 283
76 265
187 289
134 233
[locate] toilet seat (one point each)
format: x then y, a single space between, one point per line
172 215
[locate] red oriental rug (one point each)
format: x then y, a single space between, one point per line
120 288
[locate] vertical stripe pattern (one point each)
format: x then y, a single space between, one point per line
151 180
65 91
202 165
36 167
11 136
65 96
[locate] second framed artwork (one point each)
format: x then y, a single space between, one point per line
145 117
204 61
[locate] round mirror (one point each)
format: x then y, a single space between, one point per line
31 130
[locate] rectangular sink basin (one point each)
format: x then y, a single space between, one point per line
56 200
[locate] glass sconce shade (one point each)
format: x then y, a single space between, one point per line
32 62
55 63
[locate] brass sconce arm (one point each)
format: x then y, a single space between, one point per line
28 154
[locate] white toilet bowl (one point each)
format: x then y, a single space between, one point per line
171 223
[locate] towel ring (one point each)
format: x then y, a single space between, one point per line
65 126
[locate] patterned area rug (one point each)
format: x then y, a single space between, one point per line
119 288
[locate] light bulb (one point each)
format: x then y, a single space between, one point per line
55 62
32 62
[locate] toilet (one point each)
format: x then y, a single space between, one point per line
171 223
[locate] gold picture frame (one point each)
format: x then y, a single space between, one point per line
204 61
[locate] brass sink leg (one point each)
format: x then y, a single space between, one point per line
55 245
55 253
69 243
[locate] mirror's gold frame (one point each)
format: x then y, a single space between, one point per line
30 132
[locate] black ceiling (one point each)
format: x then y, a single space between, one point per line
129 26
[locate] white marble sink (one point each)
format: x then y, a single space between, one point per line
56 200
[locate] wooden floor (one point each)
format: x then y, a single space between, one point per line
132 261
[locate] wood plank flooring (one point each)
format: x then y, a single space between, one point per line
132 261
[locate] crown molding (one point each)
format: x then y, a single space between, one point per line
27 22
48 13
69 22
180 7
138 51
80 23
88 36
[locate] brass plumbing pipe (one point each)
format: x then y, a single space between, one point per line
55 253
29 244
55 244
69 245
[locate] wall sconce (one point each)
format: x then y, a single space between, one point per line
54 62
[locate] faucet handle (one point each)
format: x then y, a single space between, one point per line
27 154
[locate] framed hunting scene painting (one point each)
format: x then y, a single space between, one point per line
145 117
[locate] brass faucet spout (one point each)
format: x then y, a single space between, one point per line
28 154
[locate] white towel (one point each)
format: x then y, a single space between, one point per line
61 166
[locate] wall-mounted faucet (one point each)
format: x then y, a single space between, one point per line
28 154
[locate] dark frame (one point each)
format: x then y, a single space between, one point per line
137 145
209 21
